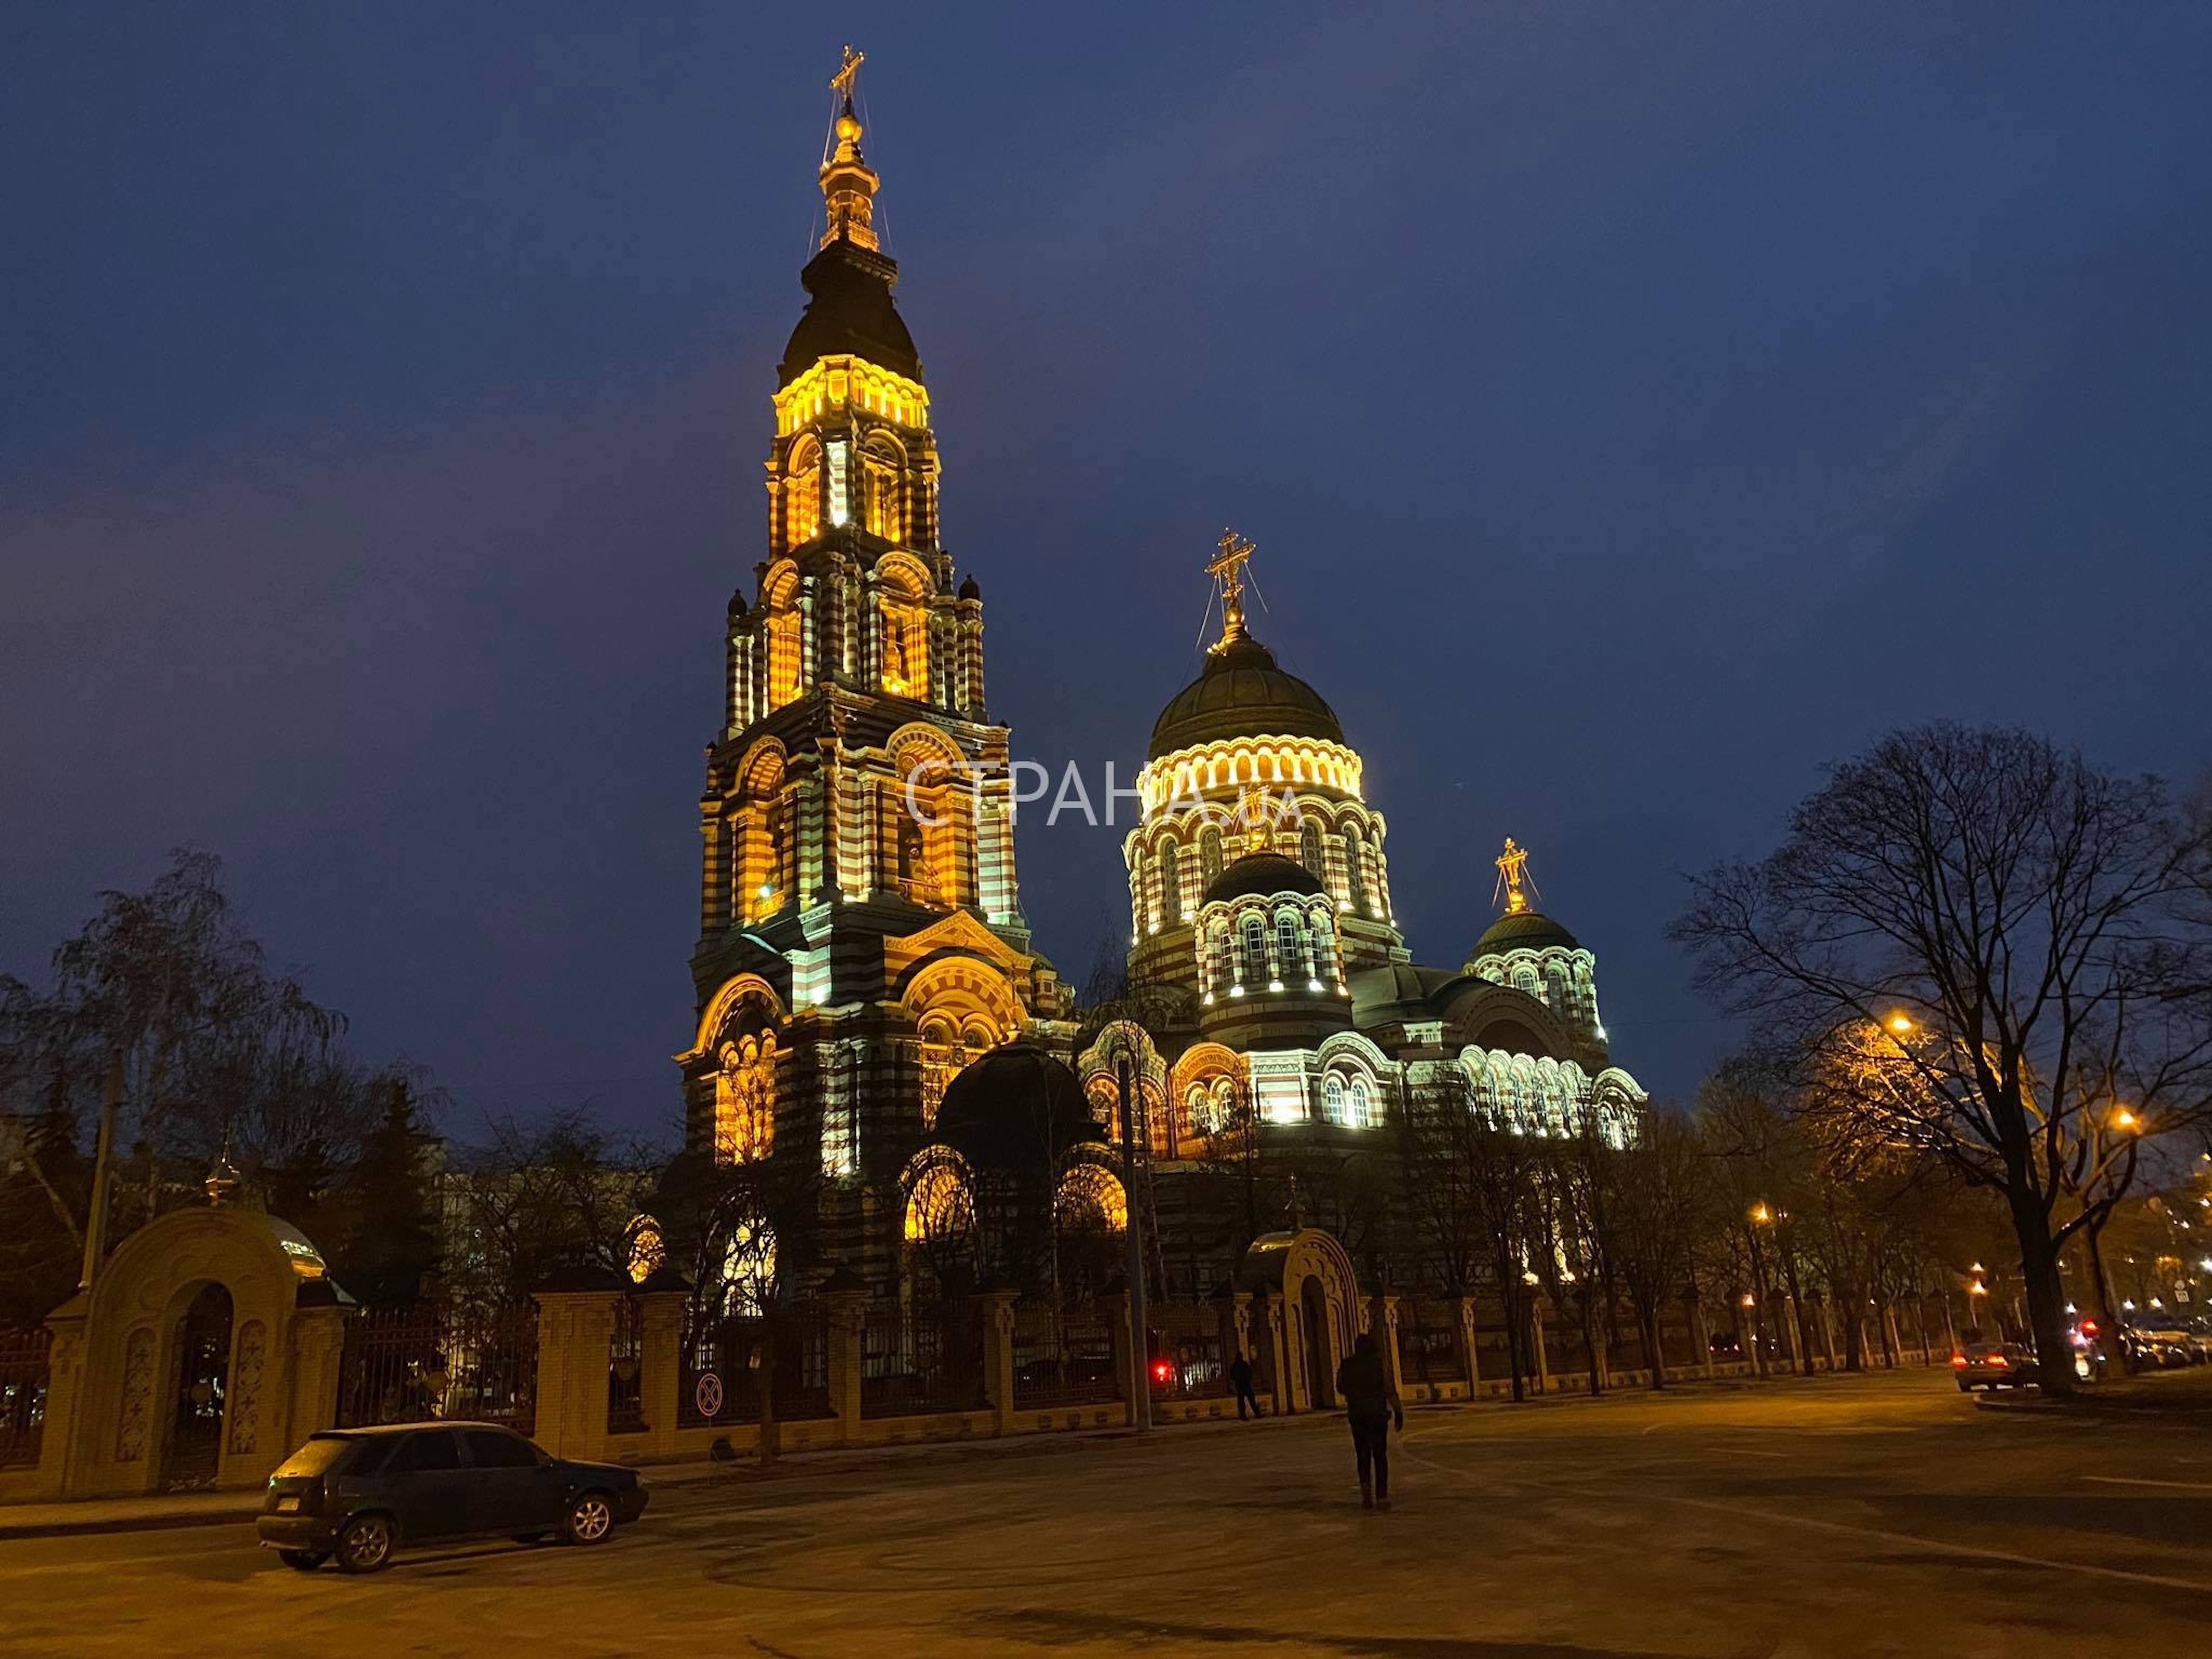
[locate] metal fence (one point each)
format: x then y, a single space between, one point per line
414 1365
23 1356
731 1352
1187 1362
918 1360
1428 1343
626 1367
1062 1357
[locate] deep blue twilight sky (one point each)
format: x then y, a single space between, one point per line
1635 406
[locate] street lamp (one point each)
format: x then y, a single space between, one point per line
1761 1214
1900 1022
2125 1118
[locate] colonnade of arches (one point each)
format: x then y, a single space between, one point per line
1173 858
907 821
1266 944
1565 981
882 628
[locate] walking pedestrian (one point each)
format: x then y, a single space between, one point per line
1363 1382
1240 1378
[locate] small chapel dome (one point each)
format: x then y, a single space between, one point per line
1001 1107
971 588
1260 873
1524 930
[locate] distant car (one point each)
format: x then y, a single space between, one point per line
1995 1365
2163 1344
359 1494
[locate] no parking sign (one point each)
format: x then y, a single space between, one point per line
707 1393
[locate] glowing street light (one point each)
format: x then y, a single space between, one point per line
1900 1022
2124 1118
1761 1214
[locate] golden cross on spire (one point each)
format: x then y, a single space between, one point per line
1513 876
841 81
1227 569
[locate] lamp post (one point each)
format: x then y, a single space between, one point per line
1140 1338
1760 1216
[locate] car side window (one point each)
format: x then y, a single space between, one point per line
490 1450
370 1454
434 1450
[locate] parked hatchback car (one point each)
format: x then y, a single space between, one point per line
1995 1365
359 1494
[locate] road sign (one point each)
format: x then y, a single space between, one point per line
708 1393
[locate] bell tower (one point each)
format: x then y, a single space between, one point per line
857 791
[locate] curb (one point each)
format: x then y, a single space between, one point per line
11 1531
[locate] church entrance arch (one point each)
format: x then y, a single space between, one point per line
192 1452
1313 1294
1314 1328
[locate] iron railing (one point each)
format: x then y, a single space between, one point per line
23 1366
415 1364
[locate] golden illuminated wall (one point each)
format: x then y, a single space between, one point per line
744 1100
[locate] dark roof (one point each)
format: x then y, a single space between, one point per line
1526 932
1261 872
1242 693
851 311
1015 1106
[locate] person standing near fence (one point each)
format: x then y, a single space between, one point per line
1240 1378
1363 1382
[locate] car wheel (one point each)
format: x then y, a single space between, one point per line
365 1545
302 1560
591 1517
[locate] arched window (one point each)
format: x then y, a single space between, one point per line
802 495
1556 995
1209 854
1332 1098
1255 967
1310 850
1326 965
1171 885
913 860
1355 874
1224 965
1289 947
1524 979
1362 1104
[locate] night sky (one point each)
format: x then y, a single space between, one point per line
1635 407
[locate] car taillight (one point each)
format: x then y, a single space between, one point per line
1958 1360
1997 1360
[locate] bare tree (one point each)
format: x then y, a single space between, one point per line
1661 1197
1982 946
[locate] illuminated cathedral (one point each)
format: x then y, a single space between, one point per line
869 1003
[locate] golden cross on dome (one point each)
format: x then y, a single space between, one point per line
841 81
1227 569
1513 876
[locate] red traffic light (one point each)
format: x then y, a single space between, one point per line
1162 1371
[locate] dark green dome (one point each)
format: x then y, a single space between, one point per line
1242 693
1261 872
1013 1104
851 312
1527 932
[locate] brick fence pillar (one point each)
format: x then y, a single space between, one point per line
575 1329
847 1311
1468 1335
661 1369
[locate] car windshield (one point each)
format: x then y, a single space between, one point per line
319 1456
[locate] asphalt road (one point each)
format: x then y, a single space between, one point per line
1858 1517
